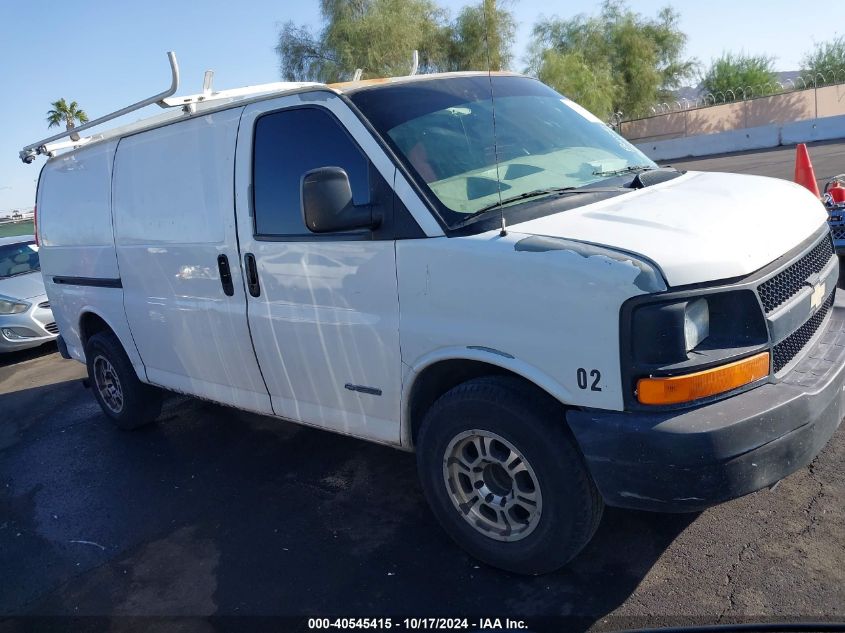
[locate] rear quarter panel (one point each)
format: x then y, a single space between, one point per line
77 240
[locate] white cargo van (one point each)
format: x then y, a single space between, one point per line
552 322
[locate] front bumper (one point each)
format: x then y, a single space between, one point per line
688 460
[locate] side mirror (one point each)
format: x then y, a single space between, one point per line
327 202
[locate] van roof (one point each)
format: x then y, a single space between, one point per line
226 99
348 87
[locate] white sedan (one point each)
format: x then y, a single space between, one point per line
25 316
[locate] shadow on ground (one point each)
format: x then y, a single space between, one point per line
9 359
213 511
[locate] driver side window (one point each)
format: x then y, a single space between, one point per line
289 143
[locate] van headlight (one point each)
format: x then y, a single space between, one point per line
696 323
10 306
670 336
667 332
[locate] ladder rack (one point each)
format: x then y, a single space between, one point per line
188 104
28 153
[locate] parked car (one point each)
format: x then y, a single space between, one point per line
25 316
552 322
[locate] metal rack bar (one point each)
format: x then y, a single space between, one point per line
28 153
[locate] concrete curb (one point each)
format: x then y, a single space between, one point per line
762 137
813 130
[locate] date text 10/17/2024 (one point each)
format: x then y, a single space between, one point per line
415 624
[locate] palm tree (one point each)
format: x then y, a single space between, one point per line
68 114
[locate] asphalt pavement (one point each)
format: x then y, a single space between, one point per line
828 159
216 512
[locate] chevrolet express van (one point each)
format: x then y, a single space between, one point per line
549 320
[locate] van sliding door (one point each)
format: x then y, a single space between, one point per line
179 265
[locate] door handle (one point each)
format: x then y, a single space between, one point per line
252 275
225 275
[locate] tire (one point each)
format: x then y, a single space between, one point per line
507 415
124 399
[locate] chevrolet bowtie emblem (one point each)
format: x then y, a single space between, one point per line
817 297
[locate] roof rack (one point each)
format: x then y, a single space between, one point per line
188 104
28 153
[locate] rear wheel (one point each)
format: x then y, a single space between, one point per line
126 401
504 478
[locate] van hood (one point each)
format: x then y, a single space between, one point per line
699 227
25 286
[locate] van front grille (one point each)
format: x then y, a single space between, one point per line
52 328
786 284
789 348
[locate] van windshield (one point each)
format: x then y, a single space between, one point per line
18 259
442 130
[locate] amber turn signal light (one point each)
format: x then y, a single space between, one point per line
701 384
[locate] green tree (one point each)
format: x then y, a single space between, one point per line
379 37
739 73
827 58
640 57
67 113
481 38
589 84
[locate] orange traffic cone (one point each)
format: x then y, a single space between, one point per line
804 174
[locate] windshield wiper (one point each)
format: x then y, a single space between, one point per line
624 170
529 194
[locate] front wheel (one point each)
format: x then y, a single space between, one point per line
504 477
124 399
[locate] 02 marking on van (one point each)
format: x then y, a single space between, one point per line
583 382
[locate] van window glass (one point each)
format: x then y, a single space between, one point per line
442 129
288 144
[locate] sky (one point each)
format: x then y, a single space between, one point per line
108 54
